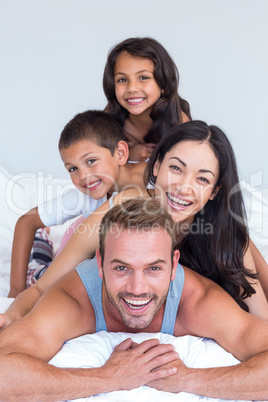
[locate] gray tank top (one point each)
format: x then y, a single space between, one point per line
89 274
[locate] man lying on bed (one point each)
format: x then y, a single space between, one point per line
137 286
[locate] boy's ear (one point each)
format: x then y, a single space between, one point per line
156 168
122 152
214 193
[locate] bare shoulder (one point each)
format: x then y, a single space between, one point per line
200 298
208 311
63 312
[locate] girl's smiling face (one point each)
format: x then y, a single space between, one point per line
135 87
186 179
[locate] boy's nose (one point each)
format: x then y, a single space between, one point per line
83 173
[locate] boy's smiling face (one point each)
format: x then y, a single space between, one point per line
93 169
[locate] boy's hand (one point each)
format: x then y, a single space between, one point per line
4 321
129 368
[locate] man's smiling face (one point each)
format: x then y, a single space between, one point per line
137 270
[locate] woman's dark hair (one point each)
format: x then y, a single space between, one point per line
218 237
167 111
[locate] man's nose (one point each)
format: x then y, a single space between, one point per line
137 284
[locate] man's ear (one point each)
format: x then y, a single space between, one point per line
122 152
214 193
99 262
156 168
175 261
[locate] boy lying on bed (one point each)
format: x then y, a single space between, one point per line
93 149
134 285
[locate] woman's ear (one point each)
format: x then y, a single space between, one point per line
214 193
156 168
122 152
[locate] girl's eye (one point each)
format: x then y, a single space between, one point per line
121 80
144 77
72 169
90 161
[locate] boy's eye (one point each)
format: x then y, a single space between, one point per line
72 169
90 161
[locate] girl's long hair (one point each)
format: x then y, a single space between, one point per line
167 111
218 237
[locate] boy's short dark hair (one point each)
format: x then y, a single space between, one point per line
93 125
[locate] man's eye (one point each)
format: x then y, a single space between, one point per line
122 268
155 268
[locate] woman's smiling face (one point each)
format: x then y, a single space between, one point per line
186 179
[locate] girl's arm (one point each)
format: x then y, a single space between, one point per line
25 229
82 245
261 267
257 303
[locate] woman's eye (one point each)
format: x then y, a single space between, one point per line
144 77
121 80
176 168
204 180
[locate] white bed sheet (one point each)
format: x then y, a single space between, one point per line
93 350
24 192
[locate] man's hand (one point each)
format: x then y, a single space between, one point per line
129 368
171 383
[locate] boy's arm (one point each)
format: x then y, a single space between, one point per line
24 233
65 312
261 267
82 245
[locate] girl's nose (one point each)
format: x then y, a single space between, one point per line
132 86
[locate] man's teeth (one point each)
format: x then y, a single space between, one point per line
135 100
136 304
178 200
94 184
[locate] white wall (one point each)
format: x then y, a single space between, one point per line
53 54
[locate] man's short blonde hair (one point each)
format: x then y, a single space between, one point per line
136 214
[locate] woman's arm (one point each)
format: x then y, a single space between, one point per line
25 230
257 303
261 267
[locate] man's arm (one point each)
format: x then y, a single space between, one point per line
261 267
206 310
64 312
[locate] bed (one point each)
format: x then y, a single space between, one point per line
23 192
